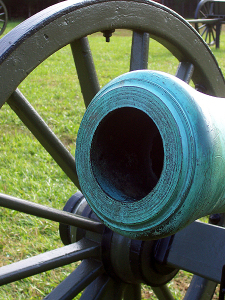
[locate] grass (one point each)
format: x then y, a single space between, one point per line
28 172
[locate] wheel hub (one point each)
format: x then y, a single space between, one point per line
132 261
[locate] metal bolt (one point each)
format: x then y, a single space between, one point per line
107 34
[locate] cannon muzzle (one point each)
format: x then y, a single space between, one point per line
150 155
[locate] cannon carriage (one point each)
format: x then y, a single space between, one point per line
3 17
210 15
144 198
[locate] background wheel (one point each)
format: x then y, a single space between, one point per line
3 17
205 10
21 51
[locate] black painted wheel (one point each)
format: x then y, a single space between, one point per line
205 10
113 267
3 17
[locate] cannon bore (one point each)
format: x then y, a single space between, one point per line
150 155
127 154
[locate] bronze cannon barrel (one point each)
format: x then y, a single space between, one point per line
150 155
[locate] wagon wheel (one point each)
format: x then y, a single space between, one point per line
112 266
3 17
205 10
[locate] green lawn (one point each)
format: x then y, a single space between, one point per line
28 172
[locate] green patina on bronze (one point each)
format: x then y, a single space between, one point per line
150 154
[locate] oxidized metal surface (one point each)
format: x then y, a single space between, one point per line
150 155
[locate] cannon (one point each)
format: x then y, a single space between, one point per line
133 220
3 17
146 147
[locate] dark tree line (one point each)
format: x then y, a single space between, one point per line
23 9
185 8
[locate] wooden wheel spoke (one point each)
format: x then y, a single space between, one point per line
50 213
200 288
202 26
207 33
85 69
214 29
84 274
115 290
213 36
139 51
163 293
48 261
105 288
132 292
203 14
44 134
112 290
204 31
210 34
185 71
98 289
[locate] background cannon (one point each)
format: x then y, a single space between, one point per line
3 17
210 17
112 266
